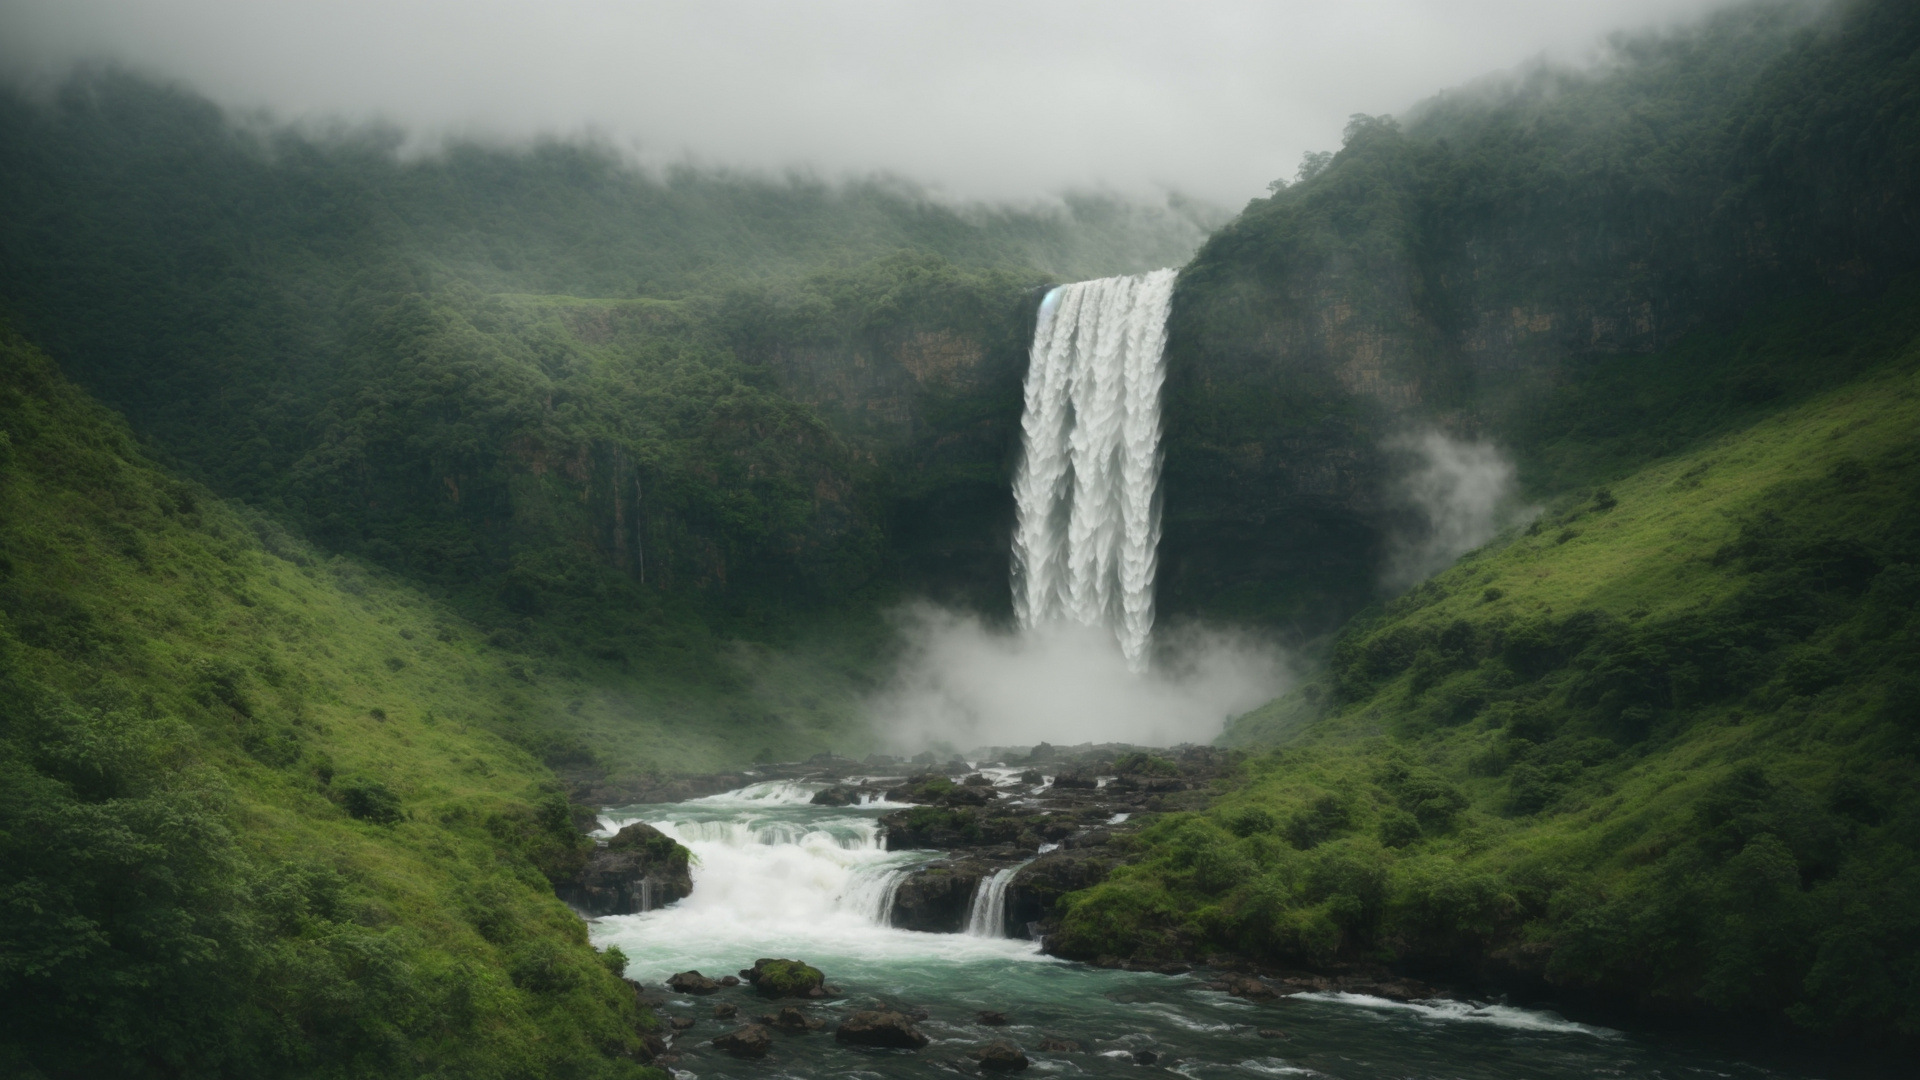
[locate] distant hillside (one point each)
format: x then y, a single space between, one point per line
263 811
1453 269
641 427
1658 749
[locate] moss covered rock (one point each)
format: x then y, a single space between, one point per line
786 978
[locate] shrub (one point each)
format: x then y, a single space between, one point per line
368 799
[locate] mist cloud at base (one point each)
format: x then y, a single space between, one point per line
962 684
1455 495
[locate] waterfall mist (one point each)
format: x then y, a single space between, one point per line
962 684
1455 494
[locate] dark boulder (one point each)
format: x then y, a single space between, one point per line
786 978
680 1023
1053 1045
1035 891
936 898
793 1020
1145 1057
1243 986
692 982
837 795
976 780
992 1019
725 1011
639 869
885 1029
1076 780
1000 1057
751 1041
938 790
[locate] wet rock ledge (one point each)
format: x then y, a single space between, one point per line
637 869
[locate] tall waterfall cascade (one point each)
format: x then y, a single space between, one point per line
1086 492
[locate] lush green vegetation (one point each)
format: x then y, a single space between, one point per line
678 435
1460 263
263 811
1659 746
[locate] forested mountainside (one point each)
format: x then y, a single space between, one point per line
453 487
263 811
1656 750
1452 269
624 422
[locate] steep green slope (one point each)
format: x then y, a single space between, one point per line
1658 748
262 812
1453 268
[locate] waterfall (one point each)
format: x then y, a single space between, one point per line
987 915
1085 493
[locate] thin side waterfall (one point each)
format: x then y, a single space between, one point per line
1086 493
987 914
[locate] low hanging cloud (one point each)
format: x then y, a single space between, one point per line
962 685
986 98
1454 495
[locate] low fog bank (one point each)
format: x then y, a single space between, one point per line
991 99
1453 495
962 684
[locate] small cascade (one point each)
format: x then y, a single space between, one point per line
1086 492
987 915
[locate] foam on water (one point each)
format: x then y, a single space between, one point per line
771 873
1498 1015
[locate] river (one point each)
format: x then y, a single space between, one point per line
777 877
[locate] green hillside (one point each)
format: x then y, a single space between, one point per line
1656 748
263 812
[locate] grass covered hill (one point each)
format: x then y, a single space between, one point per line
263 811
1655 749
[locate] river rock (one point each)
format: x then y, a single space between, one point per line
1243 986
1000 1057
1035 891
729 980
1145 1057
936 899
793 1020
1053 1045
992 1019
876 1028
785 978
977 780
680 1023
751 1041
692 982
638 869
1076 780
837 795
930 789
725 1011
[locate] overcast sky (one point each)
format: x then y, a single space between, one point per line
980 98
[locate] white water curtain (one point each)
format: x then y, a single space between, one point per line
1086 492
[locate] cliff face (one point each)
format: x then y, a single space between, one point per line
1458 271
918 366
